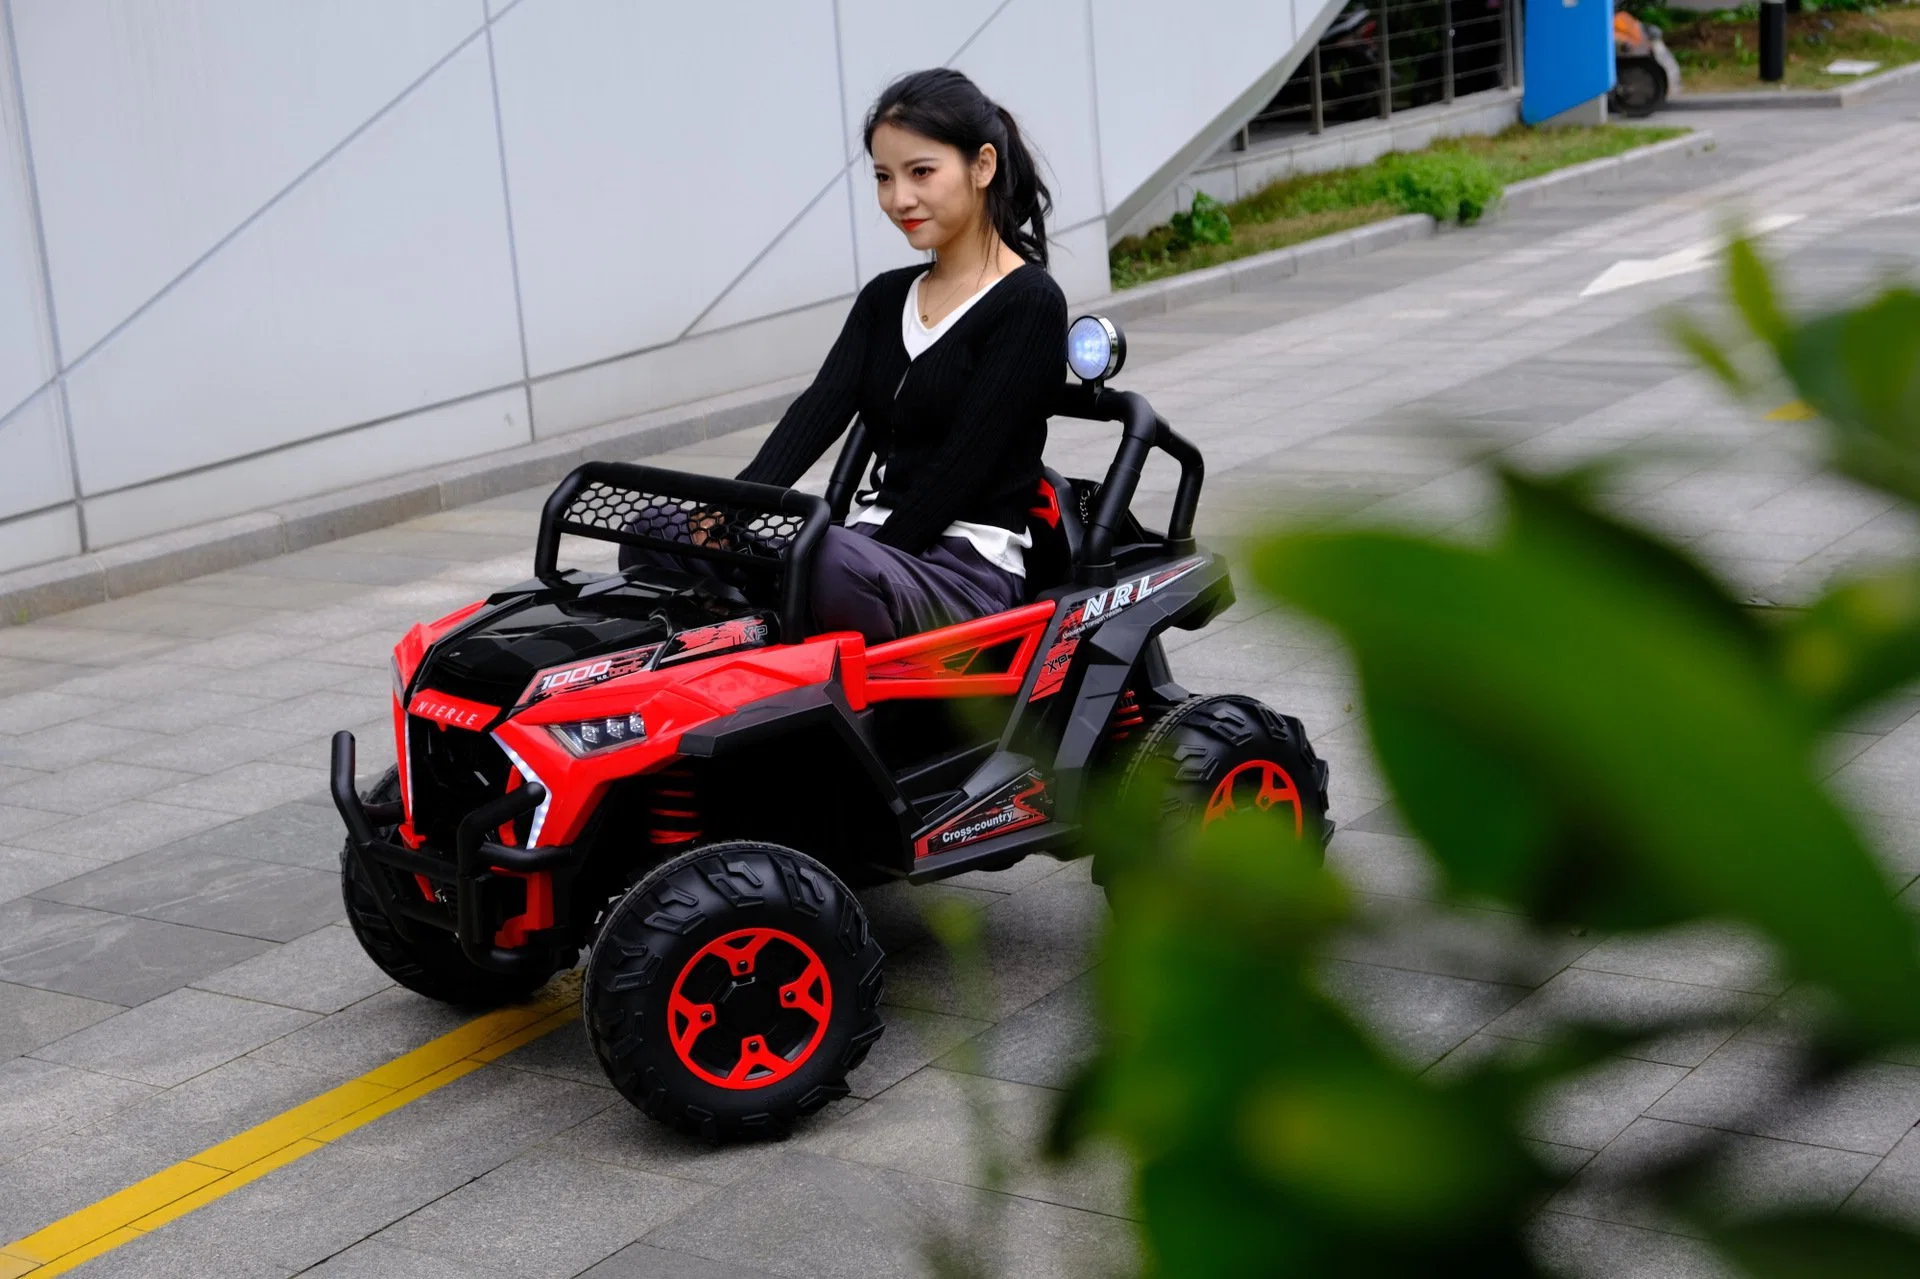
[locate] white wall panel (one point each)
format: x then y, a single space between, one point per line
161 125
1080 261
812 262
382 284
765 350
442 434
50 535
1034 60
26 346
1162 81
34 470
654 151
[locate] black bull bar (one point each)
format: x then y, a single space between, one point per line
479 903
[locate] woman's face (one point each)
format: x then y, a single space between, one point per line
927 187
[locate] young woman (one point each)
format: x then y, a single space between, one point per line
952 367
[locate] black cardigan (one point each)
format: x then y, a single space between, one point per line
960 429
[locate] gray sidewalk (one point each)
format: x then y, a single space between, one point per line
174 967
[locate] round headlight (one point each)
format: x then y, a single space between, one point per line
1095 348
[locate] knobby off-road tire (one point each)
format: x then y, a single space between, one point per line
732 990
432 964
1210 758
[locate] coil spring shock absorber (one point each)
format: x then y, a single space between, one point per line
1126 719
673 807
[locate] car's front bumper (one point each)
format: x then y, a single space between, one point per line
472 899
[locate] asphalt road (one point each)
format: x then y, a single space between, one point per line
174 968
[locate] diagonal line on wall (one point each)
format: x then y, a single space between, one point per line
851 162
277 197
513 244
46 274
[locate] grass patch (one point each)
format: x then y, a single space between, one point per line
1720 52
1455 179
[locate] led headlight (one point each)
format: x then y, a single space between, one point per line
1096 348
591 736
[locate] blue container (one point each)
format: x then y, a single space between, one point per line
1569 55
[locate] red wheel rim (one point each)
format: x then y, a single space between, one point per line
749 1008
1258 785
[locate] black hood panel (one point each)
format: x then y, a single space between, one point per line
493 658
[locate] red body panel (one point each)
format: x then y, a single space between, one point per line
941 663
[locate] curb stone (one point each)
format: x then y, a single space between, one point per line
1859 91
175 556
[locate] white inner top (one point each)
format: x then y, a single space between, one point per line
1000 547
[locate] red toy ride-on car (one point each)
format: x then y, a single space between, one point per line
668 770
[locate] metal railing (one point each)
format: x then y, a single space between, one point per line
1382 56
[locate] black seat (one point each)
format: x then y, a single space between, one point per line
1058 533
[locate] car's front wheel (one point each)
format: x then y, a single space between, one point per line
731 991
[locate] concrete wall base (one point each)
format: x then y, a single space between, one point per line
1592 111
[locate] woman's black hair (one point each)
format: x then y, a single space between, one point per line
944 105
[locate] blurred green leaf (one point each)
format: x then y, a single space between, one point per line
1855 644
1705 348
1861 370
1752 288
1648 774
1819 1246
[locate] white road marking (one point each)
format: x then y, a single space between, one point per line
1897 210
1628 272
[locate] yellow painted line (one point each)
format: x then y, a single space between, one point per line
220 1169
1792 411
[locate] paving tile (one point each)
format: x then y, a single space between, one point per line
212 748
25 712
316 714
175 1037
322 972
21 822
480 1121
56 643
30 1017
1590 1109
1706 955
1027 870
210 1107
290 834
90 787
1016 974
1582 1248
40 1100
811 1215
1386 864
547 1214
945 1125
179 710
1635 1005
1417 1017
913 1038
1042 1044
620 1134
371 1259
121 830
1892 1190
1484 945
644 1261
206 890
160 1255
66 1175
312 1208
291 679
1744 1087
365 1034
114 958
1748 1176
23 871
247 788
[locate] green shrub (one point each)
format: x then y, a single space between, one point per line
1450 188
1205 223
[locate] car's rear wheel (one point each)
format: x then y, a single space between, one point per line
1210 759
732 990
1640 86
430 962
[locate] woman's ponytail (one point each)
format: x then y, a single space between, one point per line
944 105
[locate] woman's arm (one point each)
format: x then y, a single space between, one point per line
815 420
1020 368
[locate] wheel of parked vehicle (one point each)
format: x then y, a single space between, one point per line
432 963
1216 758
1640 86
732 989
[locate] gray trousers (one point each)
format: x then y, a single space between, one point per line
861 585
